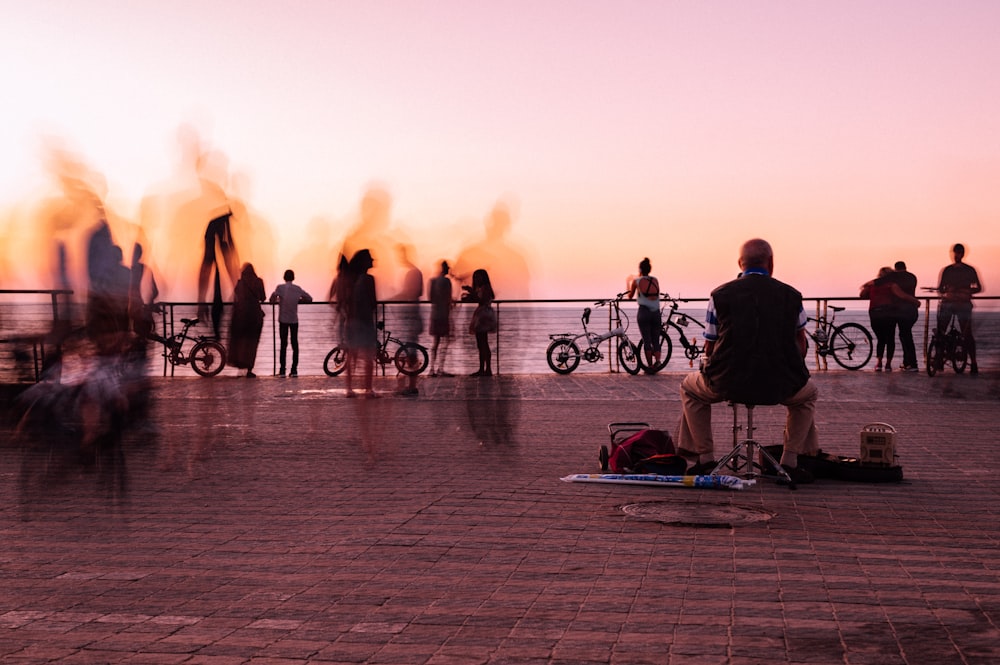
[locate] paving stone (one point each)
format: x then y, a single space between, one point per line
276 522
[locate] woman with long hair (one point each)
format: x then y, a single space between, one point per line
360 335
484 319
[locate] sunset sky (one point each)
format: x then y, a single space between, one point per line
849 134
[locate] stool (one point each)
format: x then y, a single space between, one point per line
748 458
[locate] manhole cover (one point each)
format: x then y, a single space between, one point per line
696 514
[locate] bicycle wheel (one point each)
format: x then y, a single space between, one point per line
335 362
666 348
959 357
563 356
628 356
851 346
208 357
411 358
933 357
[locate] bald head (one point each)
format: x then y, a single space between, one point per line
756 253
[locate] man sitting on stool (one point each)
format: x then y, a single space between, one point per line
755 347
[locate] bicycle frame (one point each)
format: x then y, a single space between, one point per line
691 348
564 354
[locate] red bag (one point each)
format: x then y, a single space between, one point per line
653 446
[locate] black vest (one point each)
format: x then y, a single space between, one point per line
756 358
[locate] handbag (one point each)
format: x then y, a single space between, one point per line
484 320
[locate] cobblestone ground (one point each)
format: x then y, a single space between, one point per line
275 521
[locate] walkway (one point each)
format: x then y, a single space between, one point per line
274 521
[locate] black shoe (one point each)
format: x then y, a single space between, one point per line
701 468
251 375
281 373
798 475
974 369
294 373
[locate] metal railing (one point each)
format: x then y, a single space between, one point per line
29 317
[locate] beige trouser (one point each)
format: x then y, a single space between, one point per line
694 436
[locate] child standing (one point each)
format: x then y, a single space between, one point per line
288 296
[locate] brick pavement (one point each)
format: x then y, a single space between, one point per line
274 521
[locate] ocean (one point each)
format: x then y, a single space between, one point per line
519 347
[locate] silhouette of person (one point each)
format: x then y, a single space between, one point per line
288 296
647 289
142 294
957 284
247 321
884 296
218 240
440 290
412 322
359 307
906 315
484 319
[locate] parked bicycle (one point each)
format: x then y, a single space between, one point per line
671 318
207 356
850 344
564 352
409 358
947 348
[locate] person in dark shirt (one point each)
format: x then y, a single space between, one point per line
755 346
906 314
957 284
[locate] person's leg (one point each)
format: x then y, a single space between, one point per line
965 324
283 335
694 433
801 436
890 341
905 324
434 354
293 329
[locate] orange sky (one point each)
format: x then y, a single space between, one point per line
849 134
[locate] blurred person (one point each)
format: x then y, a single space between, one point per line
498 254
440 291
359 310
247 321
907 314
412 321
957 283
755 347
288 296
884 295
218 241
142 294
484 319
646 289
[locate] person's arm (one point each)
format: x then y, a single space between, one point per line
903 295
304 297
866 289
632 285
976 286
274 296
802 341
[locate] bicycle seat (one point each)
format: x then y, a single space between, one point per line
837 309
189 322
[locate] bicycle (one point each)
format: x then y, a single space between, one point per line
410 358
677 321
564 353
850 344
207 356
949 347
